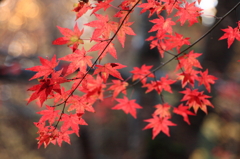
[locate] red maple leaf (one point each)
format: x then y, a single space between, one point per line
46 69
170 5
101 5
101 45
230 34
109 69
177 41
196 100
129 3
183 111
79 60
160 43
70 37
189 12
128 106
46 87
93 88
125 29
103 26
158 124
188 61
81 104
152 6
162 25
47 134
78 6
163 110
72 121
79 78
54 137
60 97
165 42
50 114
64 136
118 87
81 8
206 79
188 76
142 73
159 85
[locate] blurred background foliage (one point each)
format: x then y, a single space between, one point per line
27 29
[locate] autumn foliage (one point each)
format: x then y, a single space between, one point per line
90 78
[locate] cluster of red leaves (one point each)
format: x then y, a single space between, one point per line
65 115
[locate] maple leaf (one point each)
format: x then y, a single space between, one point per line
81 8
189 60
125 29
230 34
162 110
176 41
50 114
189 12
118 87
78 6
101 5
81 104
183 111
46 87
70 37
64 136
81 77
128 106
47 134
109 68
72 121
121 14
93 87
79 60
169 5
142 73
130 3
188 76
101 45
160 43
60 97
46 69
103 27
196 100
152 6
206 79
165 42
158 124
159 85
161 25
